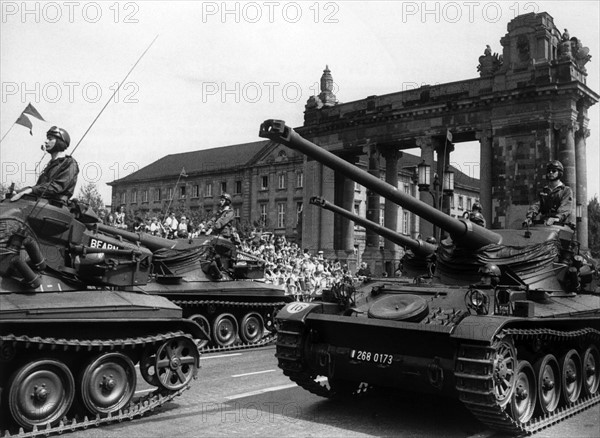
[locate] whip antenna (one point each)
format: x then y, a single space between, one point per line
113 95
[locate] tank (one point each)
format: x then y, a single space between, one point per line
510 324
419 257
73 331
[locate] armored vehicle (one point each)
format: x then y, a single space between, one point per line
72 330
510 326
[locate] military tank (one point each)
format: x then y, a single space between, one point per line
72 330
419 258
510 326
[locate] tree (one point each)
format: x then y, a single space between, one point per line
594 227
90 195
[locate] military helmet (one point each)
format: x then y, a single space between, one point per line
226 196
490 270
63 138
555 164
477 218
431 240
476 207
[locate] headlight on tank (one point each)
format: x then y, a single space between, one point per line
477 301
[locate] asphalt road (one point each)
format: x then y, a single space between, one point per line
245 394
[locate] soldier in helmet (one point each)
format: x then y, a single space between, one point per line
58 179
221 222
555 204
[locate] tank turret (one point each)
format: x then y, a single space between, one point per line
417 246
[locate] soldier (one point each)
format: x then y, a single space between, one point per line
476 215
58 179
221 222
555 204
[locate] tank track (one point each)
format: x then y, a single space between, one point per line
266 340
475 386
137 408
289 356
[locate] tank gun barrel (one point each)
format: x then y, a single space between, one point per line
464 233
418 246
153 243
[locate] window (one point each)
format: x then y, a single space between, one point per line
263 213
280 215
460 203
299 207
407 189
357 187
238 187
264 182
405 222
223 188
236 212
300 179
452 203
182 192
281 181
469 203
208 190
381 215
195 191
157 195
145 195
134 196
123 198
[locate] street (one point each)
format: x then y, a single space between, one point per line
246 394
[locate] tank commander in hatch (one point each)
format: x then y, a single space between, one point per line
58 179
221 223
555 204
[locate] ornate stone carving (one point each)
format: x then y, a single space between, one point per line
571 48
488 63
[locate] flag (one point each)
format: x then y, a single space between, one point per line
448 135
23 120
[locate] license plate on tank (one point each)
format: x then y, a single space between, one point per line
370 357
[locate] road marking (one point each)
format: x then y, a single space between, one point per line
251 374
220 355
271 389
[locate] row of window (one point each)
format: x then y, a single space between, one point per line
159 194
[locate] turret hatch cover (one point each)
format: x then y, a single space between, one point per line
401 307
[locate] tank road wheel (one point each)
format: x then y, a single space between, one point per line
523 399
177 363
252 328
548 383
505 369
40 393
108 383
202 321
591 370
225 329
148 366
570 369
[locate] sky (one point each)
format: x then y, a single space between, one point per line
218 69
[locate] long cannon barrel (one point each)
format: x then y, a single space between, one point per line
418 246
153 243
464 233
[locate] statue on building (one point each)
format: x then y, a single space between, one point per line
489 64
571 48
326 97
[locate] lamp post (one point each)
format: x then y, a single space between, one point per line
423 177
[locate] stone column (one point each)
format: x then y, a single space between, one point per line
344 197
485 174
426 146
581 194
391 256
566 152
372 255
443 150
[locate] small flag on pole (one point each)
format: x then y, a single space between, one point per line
448 135
23 120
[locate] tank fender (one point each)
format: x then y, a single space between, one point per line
297 311
479 328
